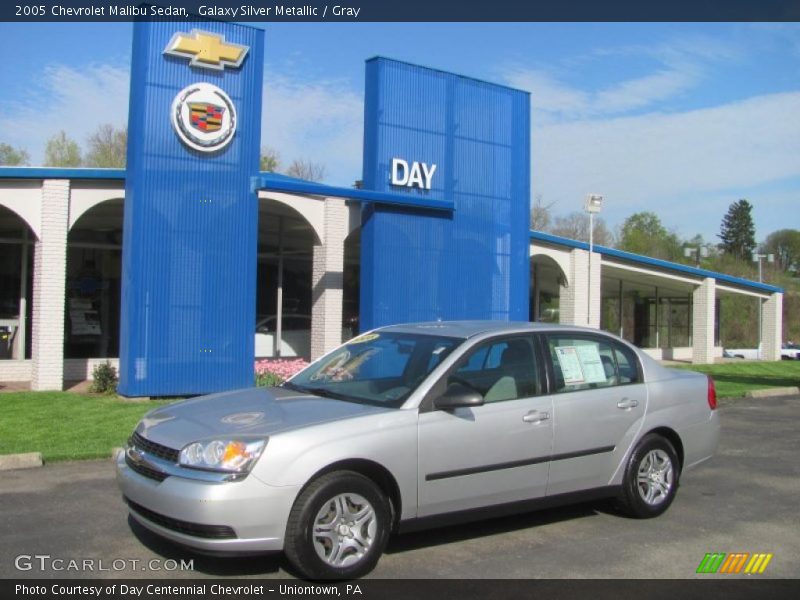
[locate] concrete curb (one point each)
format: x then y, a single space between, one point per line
29 460
770 392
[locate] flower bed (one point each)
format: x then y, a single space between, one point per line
274 371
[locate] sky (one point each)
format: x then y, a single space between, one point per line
678 119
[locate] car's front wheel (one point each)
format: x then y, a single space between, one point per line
338 527
651 478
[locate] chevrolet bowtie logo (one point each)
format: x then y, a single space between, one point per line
206 50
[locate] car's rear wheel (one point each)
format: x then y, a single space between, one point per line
338 527
651 478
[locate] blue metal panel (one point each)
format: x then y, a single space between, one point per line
473 263
190 232
653 262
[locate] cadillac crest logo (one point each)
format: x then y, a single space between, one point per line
204 117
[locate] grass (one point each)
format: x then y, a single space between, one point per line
67 426
733 379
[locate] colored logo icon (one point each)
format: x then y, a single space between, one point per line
204 117
735 562
206 50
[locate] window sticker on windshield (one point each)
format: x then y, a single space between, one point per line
570 364
581 364
367 337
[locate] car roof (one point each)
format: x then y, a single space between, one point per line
468 329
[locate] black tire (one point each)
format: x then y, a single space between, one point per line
632 500
300 546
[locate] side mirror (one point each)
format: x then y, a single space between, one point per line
458 395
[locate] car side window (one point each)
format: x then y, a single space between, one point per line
627 364
587 362
503 369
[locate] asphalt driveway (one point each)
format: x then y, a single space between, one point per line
745 500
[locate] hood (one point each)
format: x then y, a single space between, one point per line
250 413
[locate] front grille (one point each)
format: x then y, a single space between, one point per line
165 452
144 470
215 532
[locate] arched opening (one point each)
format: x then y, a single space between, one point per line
286 243
16 285
94 267
547 280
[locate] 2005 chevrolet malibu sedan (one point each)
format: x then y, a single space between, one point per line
413 425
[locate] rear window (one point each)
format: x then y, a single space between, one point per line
589 362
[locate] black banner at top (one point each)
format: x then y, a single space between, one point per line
403 10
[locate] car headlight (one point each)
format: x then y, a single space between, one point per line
234 456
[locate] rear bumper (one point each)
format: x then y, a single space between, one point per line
241 516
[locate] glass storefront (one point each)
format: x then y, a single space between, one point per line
648 316
16 285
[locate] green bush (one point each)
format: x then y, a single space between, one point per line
267 379
104 379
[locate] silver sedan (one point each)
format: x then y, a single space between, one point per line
412 426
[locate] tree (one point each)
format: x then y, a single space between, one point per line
785 245
541 216
737 232
270 159
305 169
61 151
107 147
643 233
13 157
576 227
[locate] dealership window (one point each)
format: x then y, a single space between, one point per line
283 286
649 316
92 298
16 284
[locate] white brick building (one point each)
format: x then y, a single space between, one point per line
60 253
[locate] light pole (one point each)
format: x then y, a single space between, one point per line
592 205
757 258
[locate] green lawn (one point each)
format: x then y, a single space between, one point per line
733 379
65 426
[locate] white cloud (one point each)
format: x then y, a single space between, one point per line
677 66
553 100
644 91
69 99
670 163
321 121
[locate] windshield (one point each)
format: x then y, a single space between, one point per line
375 368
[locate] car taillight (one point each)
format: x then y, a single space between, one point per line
712 394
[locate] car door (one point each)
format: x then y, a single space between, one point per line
494 453
599 402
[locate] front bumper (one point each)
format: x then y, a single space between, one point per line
240 516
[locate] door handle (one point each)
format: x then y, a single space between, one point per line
535 416
626 404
